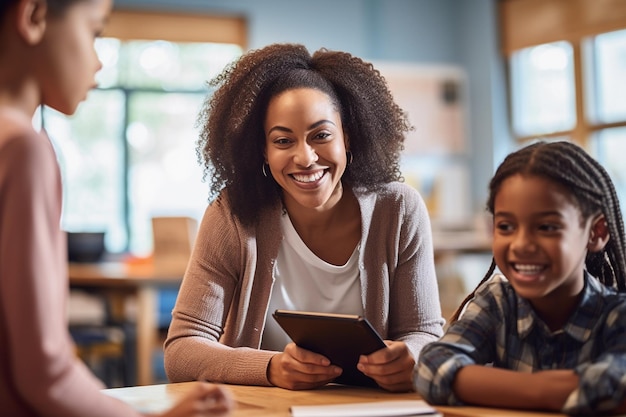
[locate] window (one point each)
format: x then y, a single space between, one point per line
607 69
543 89
566 70
128 153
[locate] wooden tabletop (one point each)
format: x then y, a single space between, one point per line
253 401
120 282
120 274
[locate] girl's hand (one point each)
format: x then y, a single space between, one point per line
391 367
297 368
204 400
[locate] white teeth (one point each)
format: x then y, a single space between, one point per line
310 177
528 269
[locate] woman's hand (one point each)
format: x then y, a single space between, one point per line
391 367
297 368
204 400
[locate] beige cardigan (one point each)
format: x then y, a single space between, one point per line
221 308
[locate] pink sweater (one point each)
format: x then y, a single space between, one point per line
39 372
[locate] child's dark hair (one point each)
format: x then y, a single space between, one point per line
590 187
55 7
232 138
5 5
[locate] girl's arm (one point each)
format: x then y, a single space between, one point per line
472 340
495 387
597 386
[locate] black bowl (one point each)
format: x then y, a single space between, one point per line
85 246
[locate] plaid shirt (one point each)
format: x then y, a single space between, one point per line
593 343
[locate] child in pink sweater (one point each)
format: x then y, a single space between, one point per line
47 57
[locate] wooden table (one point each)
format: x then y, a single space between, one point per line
118 281
255 401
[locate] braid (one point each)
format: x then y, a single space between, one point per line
591 189
467 299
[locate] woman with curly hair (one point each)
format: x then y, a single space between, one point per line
303 155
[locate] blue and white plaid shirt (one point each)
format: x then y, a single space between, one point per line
593 343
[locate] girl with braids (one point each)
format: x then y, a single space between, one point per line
304 153
550 331
47 56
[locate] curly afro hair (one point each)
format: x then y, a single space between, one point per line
232 140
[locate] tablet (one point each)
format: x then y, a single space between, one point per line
342 338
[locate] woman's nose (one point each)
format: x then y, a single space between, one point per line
305 155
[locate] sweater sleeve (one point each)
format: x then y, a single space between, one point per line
40 371
415 311
195 349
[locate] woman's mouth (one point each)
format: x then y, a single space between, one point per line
309 178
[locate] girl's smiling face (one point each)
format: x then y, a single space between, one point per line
540 240
305 148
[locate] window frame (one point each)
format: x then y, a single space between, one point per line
527 23
129 25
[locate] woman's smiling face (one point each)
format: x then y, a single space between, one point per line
305 147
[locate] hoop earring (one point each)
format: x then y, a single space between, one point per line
349 157
263 169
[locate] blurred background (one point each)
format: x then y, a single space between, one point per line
479 78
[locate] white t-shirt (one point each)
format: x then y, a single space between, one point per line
302 281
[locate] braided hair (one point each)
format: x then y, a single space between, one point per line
591 189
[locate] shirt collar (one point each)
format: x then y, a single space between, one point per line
580 324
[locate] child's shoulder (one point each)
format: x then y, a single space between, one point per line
496 293
496 285
600 293
16 128
613 301
23 150
493 301
605 304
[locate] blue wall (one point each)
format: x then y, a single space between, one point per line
459 32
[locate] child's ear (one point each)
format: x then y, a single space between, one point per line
31 20
599 234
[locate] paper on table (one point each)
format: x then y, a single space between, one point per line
366 409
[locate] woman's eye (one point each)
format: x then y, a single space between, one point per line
282 141
322 135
